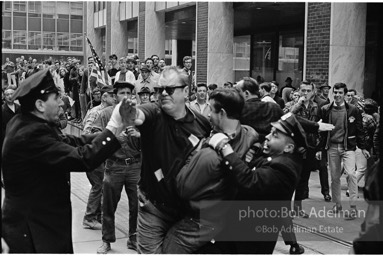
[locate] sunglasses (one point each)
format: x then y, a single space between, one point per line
169 90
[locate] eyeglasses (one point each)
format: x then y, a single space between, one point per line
169 89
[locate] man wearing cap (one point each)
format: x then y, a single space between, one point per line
131 66
122 169
113 71
169 132
124 74
271 178
36 161
144 80
286 90
144 95
325 89
153 75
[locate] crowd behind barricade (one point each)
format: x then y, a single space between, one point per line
187 145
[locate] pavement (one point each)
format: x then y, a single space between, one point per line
317 234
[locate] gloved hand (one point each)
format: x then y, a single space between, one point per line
115 120
218 140
128 111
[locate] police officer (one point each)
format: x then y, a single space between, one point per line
37 214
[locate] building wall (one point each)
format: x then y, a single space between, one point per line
201 41
141 31
318 42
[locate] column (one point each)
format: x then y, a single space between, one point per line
215 31
347 44
118 33
154 31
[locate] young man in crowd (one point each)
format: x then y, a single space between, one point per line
122 169
201 104
114 69
341 144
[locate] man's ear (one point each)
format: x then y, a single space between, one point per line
289 148
247 94
223 112
186 90
40 105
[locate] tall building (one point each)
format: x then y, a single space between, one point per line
42 29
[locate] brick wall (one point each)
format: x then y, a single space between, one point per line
202 37
141 31
318 42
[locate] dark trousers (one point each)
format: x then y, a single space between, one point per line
117 176
323 174
302 190
93 208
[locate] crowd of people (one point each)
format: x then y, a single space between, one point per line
183 151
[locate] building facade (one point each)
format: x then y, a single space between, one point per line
42 29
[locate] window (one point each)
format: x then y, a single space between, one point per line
76 42
62 7
34 40
7 6
19 6
48 40
103 49
49 7
241 56
34 7
76 8
19 40
7 41
168 47
34 24
19 23
63 41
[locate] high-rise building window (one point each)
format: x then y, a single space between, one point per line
63 41
6 39
34 7
34 40
76 9
76 42
19 6
7 6
19 39
48 40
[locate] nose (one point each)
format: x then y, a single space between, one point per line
164 93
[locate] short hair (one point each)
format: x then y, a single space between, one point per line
182 76
148 59
251 85
275 82
230 84
230 100
212 87
186 58
266 86
340 86
113 56
122 59
202 85
90 57
130 59
119 86
154 55
353 90
306 82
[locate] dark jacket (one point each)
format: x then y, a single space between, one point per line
266 183
36 161
354 127
6 115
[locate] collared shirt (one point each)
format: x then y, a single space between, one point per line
204 109
90 117
153 76
268 98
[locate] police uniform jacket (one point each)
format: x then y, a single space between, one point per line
36 214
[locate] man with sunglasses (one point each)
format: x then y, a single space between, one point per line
169 132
